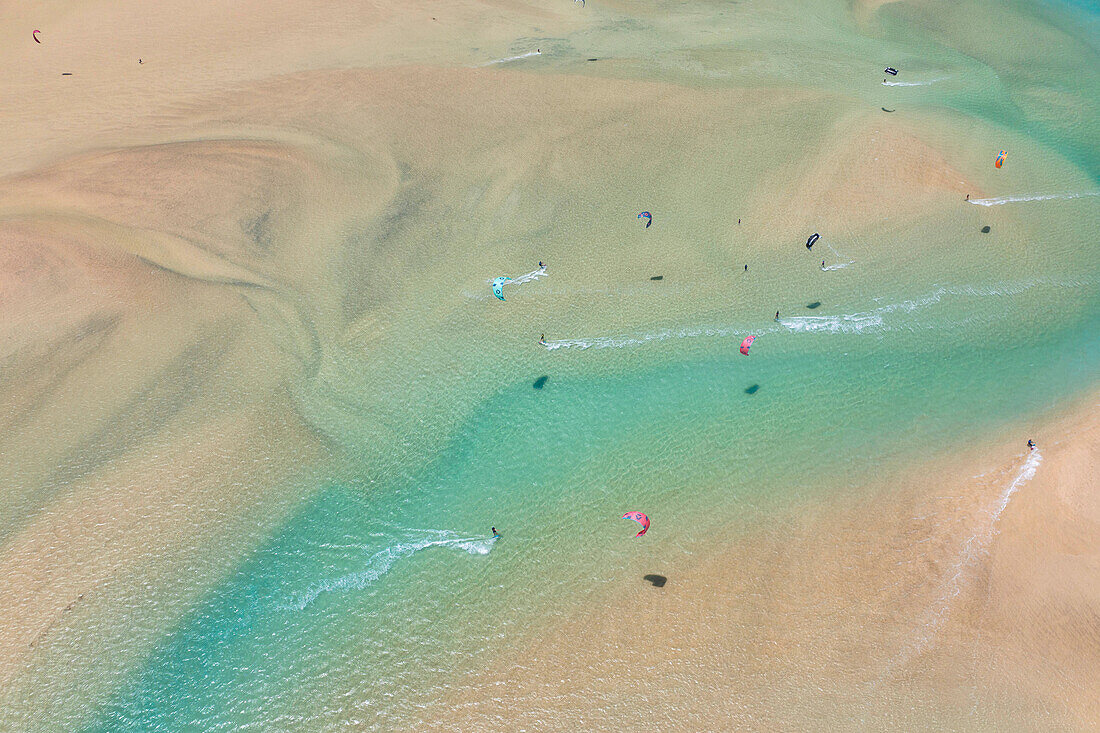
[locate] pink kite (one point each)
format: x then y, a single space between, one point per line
640 519
746 344
34 35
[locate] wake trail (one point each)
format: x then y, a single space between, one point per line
913 83
529 277
527 55
879 319
1001 200
839 265
383 560
958 574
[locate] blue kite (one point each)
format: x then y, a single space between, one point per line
498 286
648 218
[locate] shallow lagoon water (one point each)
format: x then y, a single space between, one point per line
383 590
390 592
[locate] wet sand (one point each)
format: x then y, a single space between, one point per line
913 605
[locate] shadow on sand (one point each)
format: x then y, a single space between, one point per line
658 581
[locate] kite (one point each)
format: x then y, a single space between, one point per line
641 519
498 286
1000 159
648 218
34 35
746 344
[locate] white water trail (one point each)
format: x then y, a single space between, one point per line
527 55
529 277
973 547
845 323
518 280
618 342
381 561
876 320
837 265
913 83
1001 200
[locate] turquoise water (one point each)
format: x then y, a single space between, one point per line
384 593
384 589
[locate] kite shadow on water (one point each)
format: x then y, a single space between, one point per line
658 581
815 304
541 381
753 389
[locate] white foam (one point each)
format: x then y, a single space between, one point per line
381 561
913 83
845 323
1000 201
518 280
838 265
874 320
973 547
527 55
618 342
529 277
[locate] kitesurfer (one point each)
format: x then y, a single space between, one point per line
823 264
777 315
967 197
1030 444
541 266
542 340
746 268
495 533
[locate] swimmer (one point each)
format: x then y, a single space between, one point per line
1030 444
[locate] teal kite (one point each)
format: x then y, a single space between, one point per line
498 286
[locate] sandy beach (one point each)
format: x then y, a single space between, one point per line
918 604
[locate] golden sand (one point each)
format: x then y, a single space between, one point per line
913 607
